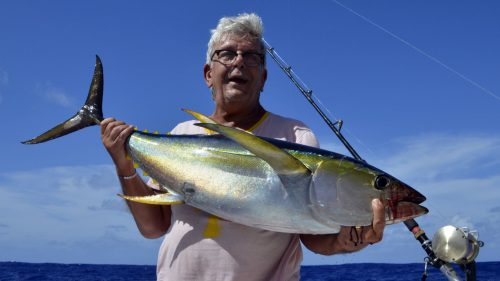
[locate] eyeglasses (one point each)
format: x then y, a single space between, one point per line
228 57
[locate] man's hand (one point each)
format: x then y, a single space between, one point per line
349 239
114 133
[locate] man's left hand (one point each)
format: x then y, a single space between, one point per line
351 239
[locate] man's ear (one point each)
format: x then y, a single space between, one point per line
207 75
264 78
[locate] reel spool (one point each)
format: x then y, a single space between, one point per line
456 245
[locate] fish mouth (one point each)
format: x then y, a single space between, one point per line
402 203
403 211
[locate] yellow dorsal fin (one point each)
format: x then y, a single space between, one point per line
201 117
281 161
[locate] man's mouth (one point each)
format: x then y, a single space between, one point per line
238 80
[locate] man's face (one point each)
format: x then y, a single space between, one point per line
237 83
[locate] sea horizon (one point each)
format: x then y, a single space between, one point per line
40 271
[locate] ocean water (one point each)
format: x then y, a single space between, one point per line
13 271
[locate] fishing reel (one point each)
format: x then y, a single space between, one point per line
451 245
456 245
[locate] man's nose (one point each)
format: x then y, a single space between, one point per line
239 61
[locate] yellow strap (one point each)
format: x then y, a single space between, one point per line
255 126
259 122
213 227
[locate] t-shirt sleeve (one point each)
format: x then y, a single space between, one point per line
307 137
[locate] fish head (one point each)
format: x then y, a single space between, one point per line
341 192
401 201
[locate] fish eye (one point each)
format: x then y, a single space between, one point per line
381 182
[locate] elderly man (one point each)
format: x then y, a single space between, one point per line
197 245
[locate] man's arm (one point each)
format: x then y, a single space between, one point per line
152 221
346 240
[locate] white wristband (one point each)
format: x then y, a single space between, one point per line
129 177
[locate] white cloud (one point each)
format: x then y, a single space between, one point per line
460 175
59 204
53 94
431 157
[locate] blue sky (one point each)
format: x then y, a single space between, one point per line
417 84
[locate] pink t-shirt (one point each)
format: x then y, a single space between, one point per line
200 246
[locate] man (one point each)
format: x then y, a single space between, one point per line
197 245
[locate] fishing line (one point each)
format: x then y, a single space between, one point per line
434 59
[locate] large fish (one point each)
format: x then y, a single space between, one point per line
260 182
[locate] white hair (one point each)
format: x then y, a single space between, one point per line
248 26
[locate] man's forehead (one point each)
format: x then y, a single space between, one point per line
231 40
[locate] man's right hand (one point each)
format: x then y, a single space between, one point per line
114 134
153 221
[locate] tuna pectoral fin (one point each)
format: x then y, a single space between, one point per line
281 161
158 199
90 113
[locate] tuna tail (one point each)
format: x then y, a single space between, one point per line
90 114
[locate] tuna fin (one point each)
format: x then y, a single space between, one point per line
287 166
158 199
90 114
201 117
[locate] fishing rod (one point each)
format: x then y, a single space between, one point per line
467 263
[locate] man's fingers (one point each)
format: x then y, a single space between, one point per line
113 130
107 127
124 134
104 124
116 131
378 217
375 233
